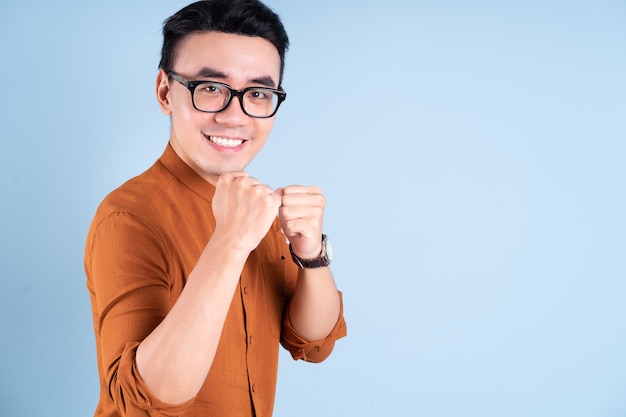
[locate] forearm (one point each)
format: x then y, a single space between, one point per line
175 358
315 305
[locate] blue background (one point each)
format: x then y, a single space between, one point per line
473 156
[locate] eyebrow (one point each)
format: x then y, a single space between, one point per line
207 72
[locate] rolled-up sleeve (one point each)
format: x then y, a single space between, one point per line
312 350
131 395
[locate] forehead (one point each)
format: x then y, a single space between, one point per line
239 58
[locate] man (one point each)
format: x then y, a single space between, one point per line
192 281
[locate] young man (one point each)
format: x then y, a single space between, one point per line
192 281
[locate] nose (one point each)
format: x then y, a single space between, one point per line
233 113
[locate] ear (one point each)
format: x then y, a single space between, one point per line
163 92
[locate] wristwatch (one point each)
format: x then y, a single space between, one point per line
321 261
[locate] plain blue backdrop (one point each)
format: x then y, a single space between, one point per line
474 160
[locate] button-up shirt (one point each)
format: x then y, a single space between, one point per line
145 239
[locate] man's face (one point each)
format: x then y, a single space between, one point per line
215 143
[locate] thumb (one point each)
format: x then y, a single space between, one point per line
280 191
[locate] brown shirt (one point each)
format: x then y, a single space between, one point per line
143 242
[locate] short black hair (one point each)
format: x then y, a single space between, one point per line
239 17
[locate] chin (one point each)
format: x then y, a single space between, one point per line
217 171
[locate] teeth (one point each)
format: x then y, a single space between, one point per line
226 143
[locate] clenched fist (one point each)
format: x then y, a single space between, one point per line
301 217
244 209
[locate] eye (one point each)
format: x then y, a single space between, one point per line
211 89
260 95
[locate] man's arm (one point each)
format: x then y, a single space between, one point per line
314 308
175 358
315 305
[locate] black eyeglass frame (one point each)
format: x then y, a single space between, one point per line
192 85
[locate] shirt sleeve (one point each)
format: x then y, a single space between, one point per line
128 281
312 350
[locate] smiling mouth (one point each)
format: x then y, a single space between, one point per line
225 142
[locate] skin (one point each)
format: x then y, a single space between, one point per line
175 358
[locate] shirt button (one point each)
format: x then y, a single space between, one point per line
250 340
253 387
245 290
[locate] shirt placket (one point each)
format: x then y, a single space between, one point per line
247 296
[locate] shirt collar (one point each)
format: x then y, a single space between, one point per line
185 174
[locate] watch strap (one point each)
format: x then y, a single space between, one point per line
321 261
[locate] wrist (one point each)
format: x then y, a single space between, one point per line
223 244
323 258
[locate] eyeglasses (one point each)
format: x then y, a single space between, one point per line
213 97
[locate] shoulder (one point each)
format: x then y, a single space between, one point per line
128 210
136 195
135 205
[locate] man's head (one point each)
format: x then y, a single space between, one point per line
220 82
238 17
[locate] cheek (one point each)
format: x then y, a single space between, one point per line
185 118
264 128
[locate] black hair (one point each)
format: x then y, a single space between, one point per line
239 17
